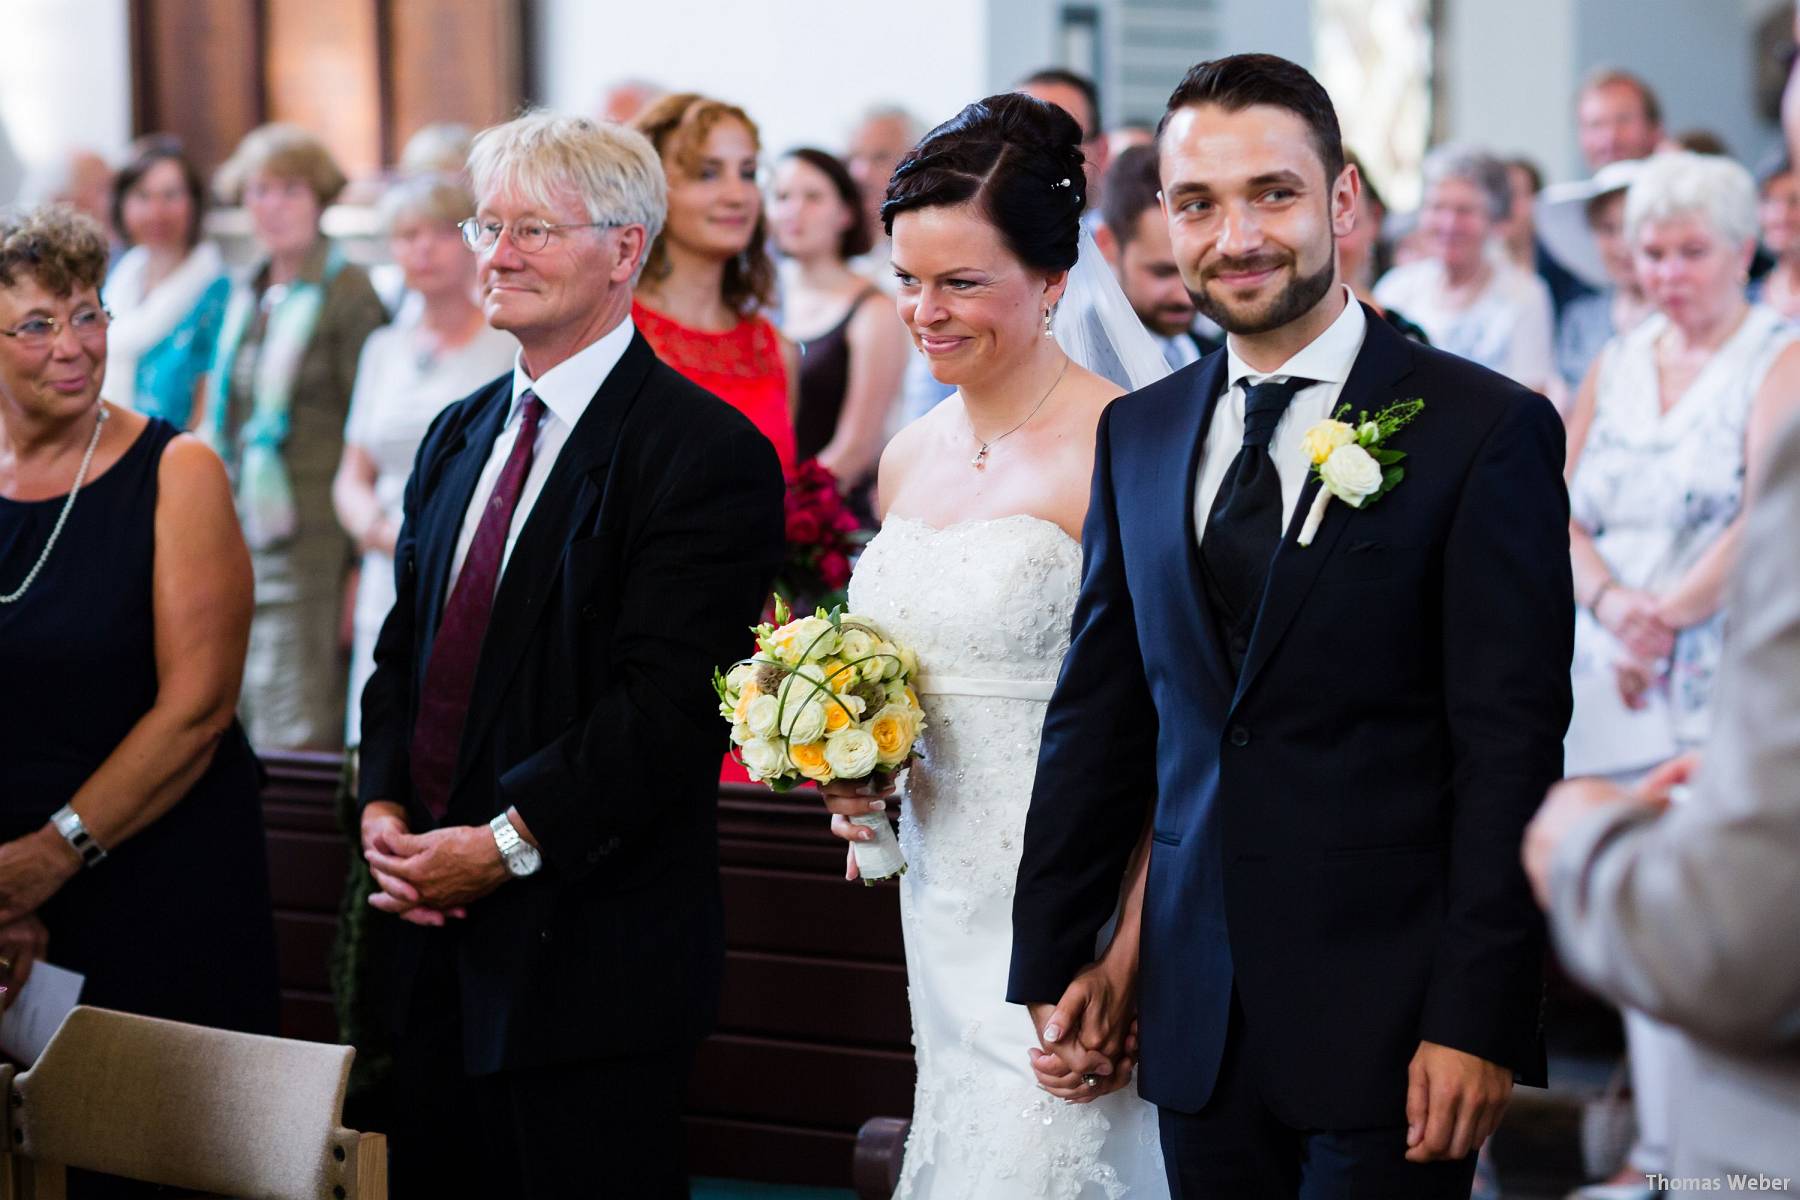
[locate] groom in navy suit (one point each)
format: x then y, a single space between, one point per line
1333 747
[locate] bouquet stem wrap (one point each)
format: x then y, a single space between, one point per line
881 858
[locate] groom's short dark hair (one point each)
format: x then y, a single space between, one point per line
1243 80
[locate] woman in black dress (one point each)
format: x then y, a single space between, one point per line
131 839
851 342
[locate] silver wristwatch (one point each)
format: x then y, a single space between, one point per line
521 856
68 823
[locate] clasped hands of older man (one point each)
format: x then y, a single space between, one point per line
429 878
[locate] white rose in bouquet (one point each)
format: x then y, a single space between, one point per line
850 753
762 759
809 639
761 715
806 723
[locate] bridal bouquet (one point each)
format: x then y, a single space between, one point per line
825 698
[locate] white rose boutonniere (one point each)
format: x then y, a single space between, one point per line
1352 461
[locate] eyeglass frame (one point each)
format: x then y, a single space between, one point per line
57 325
506 227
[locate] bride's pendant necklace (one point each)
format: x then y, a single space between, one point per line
979 462
56 530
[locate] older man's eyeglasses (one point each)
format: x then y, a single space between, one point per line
527 234
38 332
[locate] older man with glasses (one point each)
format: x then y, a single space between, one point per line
584 540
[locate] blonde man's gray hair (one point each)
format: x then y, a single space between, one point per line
1703 185
546 158
442 198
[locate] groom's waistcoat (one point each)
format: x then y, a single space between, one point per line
1335 834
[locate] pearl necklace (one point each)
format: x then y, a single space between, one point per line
56 530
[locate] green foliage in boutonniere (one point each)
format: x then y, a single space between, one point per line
1352 461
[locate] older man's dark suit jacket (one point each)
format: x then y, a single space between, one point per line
646 558
1336 832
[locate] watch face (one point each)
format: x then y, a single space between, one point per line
524 860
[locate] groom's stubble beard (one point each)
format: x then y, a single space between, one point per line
1293 302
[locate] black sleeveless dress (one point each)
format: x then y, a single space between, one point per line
176 922
824 376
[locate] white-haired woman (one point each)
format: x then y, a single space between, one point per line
437 351
1468 296
1666 443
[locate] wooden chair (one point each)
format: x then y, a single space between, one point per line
232 1114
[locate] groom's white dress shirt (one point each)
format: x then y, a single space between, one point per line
1328 359
565 390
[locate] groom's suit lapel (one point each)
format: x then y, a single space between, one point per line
1384 359
1209 386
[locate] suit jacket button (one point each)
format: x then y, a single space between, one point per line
1240 737
591 611
594 856
544 936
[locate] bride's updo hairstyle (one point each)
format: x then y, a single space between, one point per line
1019 159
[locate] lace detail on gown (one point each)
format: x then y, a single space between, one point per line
987 606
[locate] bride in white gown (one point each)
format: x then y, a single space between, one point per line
976 567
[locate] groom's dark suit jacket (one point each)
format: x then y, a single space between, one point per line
1336 832
646 558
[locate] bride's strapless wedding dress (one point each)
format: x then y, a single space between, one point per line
987 606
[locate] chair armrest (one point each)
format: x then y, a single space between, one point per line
875 1170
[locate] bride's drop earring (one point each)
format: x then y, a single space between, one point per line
1048 332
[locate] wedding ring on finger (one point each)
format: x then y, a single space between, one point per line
1091 1080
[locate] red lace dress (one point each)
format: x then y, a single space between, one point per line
742 367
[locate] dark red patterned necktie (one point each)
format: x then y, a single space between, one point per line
450 675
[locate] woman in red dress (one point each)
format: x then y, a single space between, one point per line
708 278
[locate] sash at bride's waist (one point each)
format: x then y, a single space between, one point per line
1004 689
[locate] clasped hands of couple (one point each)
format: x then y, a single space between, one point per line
430 878
1088 1040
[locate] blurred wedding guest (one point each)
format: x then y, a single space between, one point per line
1470 299
1617 116
1779 215
1134 237
1517 235
1667 443
1582 224
79 178
440 148
130 825
1692 913
625 100
167 292
437 149
278 396
875 147
408 372
1076 95
852 346
1357 250
709 279
1121 138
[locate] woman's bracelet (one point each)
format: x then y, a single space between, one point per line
1606 585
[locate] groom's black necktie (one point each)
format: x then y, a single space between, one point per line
1244 527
